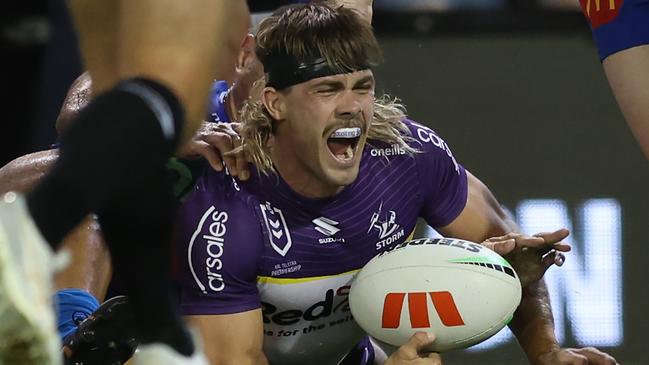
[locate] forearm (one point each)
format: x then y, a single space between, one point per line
622 37
90 265
533 323
627 75
482 218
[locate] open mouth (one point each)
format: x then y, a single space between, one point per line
343 141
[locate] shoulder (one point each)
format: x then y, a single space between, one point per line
219 190
427 144
218 199
220 243
431 145
423 135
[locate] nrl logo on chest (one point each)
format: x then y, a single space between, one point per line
278 232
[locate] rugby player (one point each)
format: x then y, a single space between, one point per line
621 33
338 176
152 62
83 283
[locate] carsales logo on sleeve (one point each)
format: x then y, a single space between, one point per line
215 221
427 135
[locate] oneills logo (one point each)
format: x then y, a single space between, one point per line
600 12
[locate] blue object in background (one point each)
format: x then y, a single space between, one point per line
216 109
73 306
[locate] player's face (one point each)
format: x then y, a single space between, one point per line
321 138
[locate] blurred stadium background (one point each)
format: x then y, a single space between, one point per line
517 90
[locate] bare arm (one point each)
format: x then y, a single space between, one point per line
533 323
90 267
25 171
482 218
627 74
232 339
90 264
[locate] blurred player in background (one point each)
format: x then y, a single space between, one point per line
151 62
82 285
621 32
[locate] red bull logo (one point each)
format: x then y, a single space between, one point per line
418 309
600 12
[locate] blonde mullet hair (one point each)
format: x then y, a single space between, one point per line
346 42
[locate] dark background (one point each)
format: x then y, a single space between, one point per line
514 87
521 98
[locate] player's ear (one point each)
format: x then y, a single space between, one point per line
274 102
246 53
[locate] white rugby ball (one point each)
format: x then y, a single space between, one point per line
461 291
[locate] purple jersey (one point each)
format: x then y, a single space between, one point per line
258 244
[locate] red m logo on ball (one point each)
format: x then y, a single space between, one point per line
418 309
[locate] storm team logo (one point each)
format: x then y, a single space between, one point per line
386 224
